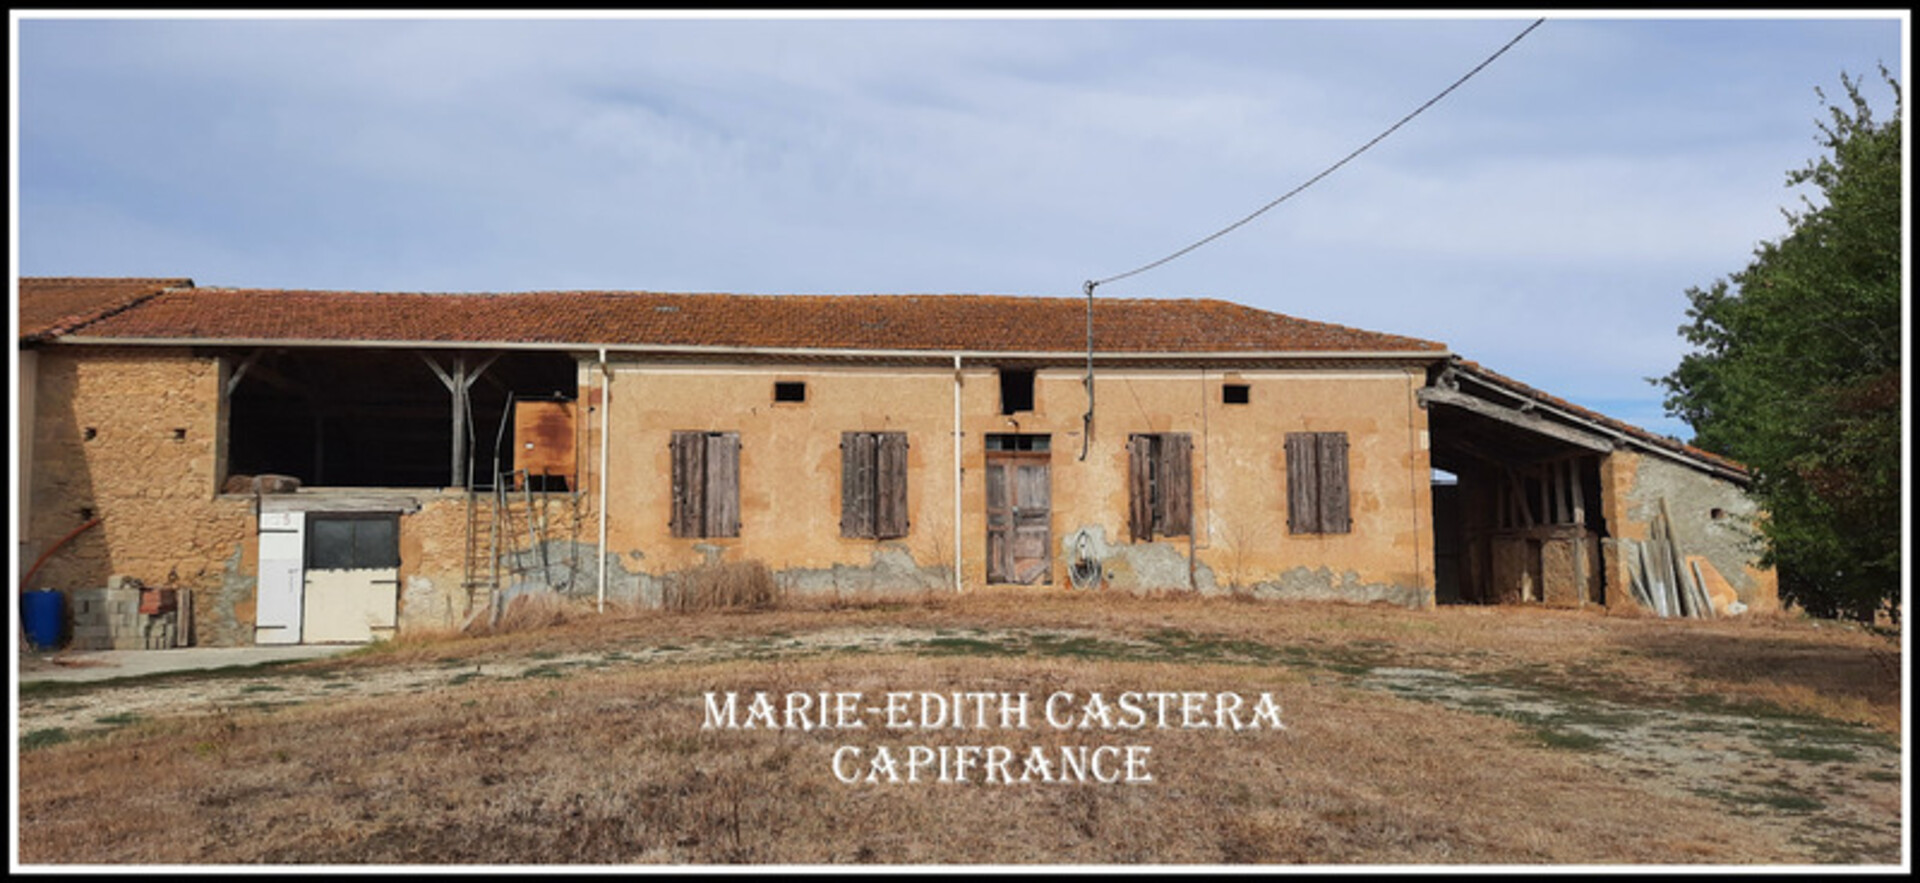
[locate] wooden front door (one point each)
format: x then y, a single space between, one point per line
1019 518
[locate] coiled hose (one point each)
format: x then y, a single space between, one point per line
1085 571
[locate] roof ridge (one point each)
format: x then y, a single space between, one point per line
107 280
991 322
727 294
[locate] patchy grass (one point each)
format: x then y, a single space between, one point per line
1786 801
1814 753
49 689
43 738
631 777
613 766
1571 740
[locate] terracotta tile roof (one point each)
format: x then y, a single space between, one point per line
932 323
1671 444
51 306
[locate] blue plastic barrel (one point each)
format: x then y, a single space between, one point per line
44 613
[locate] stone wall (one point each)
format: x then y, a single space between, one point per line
130 435
1712 520
134 436
789 468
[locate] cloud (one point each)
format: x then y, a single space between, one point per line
1545 218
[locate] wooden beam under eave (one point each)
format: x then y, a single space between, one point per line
1434 395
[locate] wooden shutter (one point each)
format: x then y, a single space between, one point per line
689 513
856 484
890 485
1175 485
1303 483
1334 511
1140 487
723 484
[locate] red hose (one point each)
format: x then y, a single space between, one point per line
27 580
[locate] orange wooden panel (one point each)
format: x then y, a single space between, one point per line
543 438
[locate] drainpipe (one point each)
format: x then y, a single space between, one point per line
606 409
956 475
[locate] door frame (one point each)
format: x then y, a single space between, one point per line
1010 461
370 592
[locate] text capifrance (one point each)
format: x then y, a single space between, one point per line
992 764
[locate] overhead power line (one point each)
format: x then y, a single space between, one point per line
1095 283
1086 429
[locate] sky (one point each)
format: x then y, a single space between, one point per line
1545 219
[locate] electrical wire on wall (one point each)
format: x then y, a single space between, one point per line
1086 421
1092 284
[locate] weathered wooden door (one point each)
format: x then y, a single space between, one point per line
1019 518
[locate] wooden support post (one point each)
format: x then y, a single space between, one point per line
458 385
240 370
459 389
1546 488
1579 497
1580 564
1550 479
1580 525
1518 489
1563 485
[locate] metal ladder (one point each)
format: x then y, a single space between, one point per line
482 575
511 522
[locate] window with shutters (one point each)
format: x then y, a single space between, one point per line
706 484
1159 485
1317 483
873 485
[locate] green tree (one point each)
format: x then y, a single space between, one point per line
1795 371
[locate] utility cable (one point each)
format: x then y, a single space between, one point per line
1086 430
1092 284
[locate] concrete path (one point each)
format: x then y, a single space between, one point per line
99 665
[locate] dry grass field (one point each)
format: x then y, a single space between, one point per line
1483 736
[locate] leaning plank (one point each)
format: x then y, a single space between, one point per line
1700 584
1580 565
1679 603
1696 596
1656 587
1636 574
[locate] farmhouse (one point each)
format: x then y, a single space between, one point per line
338 466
